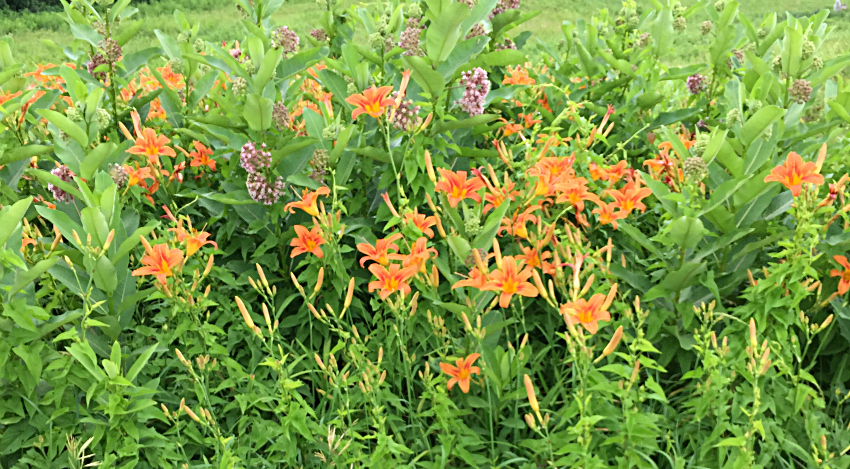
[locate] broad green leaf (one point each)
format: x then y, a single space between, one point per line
11 216
23 152
258 112
444 32
169 45
95 158
140 362
425 76
484 240
66 125
756 125
445 125
267 68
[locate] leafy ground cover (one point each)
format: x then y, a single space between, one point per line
412 236
218 22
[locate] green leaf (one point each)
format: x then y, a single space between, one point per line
757 124
23 152
459 246
686 232
484 240
258 112
94 223
86 33
95 158
23 278
105 276
425 76
141 362
267 68
445 125
66 125
444 32
169 45
341 142
10 217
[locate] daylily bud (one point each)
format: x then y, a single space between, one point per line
209 266
319 361
109 239
532 397
297 285
190 412
538 282
826 322
635 371
262 276
313 310
429 167
245 316
348 297
612 344
753 340
529 419
76 237
498 251
320 280
182 358
267 317
610 298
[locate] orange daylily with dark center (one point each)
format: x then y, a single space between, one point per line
194 239
308 201
392 280
476 280
419 254
457 187
159 261
587 313
422 222
608 215
794 173
509 280
373 101
537 260
574 191
307 241
517 76
380 252
629 197
201 156
844 283
461 372
148 143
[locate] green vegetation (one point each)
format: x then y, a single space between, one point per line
35 35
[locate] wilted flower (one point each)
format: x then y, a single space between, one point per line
253 159
696 83
285 38
680 24
476 88
65 174
319 34
119 175
477 30
800 91
262 190
280 115
695 169
411 37
406 114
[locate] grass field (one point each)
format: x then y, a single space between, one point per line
32 33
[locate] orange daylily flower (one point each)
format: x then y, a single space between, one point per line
421 221
574 191
461 372
201 156
629 197
194 239
307 241
148 143
844 283
308 201
612 174
137 176
419 254
6 96
537 260
159 261
373 101
587 313
380 251
607 215
528 120
793 173
27 241
510 280
173 80
392 280
457 187
510 128
496 196
551 170
515 225
476 280
517 76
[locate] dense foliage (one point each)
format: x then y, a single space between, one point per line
396 242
